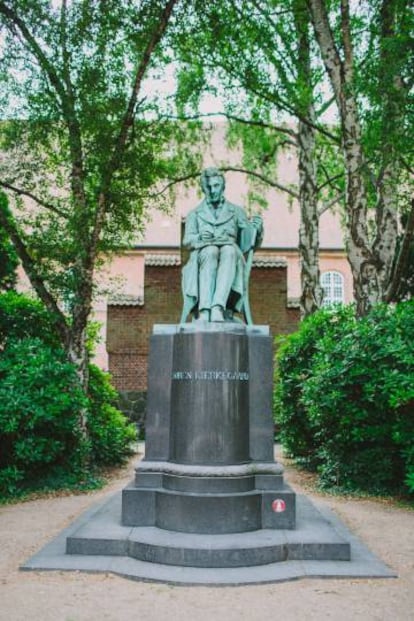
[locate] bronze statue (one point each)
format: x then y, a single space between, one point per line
221 239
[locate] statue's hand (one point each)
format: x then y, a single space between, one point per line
206 236
225 237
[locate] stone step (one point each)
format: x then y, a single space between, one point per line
313 539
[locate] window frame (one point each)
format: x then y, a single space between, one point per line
333 292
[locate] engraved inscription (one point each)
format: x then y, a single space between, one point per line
241 376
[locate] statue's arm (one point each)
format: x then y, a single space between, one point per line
191 233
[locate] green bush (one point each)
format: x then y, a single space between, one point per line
40 400
297 431
22 316
110 433
355 395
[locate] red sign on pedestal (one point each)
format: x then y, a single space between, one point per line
278 505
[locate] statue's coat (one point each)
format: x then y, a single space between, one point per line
230 221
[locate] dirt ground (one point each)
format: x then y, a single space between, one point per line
387 529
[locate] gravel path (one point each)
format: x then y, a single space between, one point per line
59 596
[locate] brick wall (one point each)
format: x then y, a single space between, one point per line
129 327
268 300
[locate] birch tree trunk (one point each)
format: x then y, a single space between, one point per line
311 296
311 291
392 89
340 72
371 260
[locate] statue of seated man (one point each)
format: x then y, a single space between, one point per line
218 234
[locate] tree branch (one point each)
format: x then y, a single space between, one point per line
127 123
346 36
8 223
331 203
175 181
35 48
75 134
266 180
244 171
141 70
292 110
238 119
38 200
272 98
407 166
329 180
65 55
66 97
329 50
324 107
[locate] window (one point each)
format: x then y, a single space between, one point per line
332 284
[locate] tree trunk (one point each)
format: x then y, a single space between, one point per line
364 265
392 88
311 291
311 296
77 353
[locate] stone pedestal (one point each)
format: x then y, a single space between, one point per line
208 503
209 466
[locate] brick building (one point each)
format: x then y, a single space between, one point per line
130 319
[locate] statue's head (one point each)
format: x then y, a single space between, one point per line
212 183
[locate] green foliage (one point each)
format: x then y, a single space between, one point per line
294 367
81 135
109 431
345 398
40 400
8 258
409 479
73 88
22 316
264 60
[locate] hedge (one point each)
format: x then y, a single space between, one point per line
41 446
40 442
344 398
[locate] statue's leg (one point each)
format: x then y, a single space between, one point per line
208 258
226 272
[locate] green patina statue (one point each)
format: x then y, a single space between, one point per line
221 240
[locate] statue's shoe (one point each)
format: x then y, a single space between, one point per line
204 315
217 314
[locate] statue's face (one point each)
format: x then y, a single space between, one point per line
214 189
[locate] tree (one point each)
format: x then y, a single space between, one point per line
81 143
8 258
262 55
268 61
373 93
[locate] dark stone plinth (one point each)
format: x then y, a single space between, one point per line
210 398
157 426
209 465
210 512
160 384
315 539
